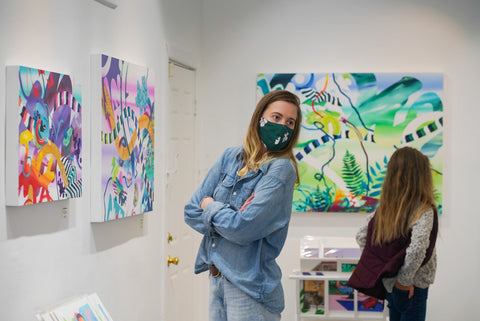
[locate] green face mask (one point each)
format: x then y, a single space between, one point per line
274 136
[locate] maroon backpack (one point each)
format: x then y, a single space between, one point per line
378 262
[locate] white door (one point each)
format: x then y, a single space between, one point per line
182 290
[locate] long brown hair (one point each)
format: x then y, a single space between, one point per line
255 152
407 193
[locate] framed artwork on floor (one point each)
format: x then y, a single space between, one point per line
81 308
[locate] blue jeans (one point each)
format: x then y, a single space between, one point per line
404 309
227 302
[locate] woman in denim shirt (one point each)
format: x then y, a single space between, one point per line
243 209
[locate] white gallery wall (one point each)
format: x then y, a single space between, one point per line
51 252
243 38
54 252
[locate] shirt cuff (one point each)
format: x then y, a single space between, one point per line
208 213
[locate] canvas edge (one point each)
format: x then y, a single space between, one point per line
96 210
12 118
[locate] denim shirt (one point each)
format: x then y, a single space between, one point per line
244 243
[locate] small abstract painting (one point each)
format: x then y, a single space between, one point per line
123 138
43 137
312 297
340 296
369 303
352 123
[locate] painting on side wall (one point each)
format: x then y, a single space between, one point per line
43 137
122 138
352 123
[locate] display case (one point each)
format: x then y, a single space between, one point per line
321 283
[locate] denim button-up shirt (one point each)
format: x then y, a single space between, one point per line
243 243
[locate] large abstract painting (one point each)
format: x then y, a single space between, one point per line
352 123
43 137
123 141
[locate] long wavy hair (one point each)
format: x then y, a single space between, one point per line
255 152
407 193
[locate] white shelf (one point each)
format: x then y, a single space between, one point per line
328 314
322 293
343 317
326 275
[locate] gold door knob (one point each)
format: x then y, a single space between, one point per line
169 238
172 260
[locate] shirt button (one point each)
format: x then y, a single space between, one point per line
234 193
213 245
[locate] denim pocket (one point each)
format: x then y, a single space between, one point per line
228 180
223 189
400 299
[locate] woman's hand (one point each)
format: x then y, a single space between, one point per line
247 202
205 201
408 288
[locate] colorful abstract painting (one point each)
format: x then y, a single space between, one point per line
82 308
340 296
352 123
123 116
44 137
